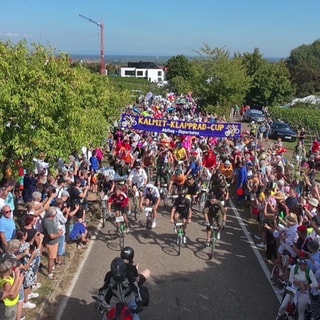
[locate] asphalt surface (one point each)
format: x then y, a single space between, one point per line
234 285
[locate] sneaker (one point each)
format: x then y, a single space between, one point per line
261 245
28 305
175 229
184 240
80 246
218 236
208 244
23 318
33 295
36 286
127 230
129 213
257 237
51 276
154 224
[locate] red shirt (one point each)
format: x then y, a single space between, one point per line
120 200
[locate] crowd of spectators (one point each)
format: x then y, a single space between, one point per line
275 188
39 215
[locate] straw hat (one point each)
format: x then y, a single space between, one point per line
279 196
291 219
314 202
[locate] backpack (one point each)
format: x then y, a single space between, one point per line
307 272
119 290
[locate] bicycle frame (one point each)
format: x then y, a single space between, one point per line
135 201
214 233
104 208
121 229
149 219
203 197
164 193
180 234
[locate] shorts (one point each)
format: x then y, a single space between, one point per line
52 250
61 245
152 200
122 210
183 215
215 219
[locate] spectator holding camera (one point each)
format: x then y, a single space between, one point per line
10 282
77 198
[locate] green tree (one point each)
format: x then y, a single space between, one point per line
270 81
49 107
304 67
221 80
178 66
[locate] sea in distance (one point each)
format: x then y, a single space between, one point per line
124 59
121 59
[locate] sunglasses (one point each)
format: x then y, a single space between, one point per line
8 211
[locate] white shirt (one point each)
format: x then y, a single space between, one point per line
138 177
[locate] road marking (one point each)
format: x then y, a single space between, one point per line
253 246
64 301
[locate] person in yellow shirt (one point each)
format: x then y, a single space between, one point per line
179 153
10 286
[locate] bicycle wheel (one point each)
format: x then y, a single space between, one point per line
148 227
121 241
212 247
179 243
203 199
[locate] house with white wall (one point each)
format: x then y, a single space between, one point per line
145 70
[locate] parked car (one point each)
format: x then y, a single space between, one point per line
280 129
254 115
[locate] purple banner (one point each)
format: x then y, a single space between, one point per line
178 127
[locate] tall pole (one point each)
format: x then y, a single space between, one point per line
100 25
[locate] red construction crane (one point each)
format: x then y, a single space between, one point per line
100 25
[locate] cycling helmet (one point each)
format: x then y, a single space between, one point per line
178 172
118 268
127 253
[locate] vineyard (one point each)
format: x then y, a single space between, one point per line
300 115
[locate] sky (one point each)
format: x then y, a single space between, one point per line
164 27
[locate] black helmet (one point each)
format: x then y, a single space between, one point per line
127 253
118 268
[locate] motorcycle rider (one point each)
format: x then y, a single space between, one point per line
119 288
127 254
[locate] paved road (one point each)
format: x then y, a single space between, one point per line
231 286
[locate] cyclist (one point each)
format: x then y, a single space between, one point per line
181 209
301 279
137 180
151 197
192 188
107 186
179 153
120 201
213 210
177 181
194 167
